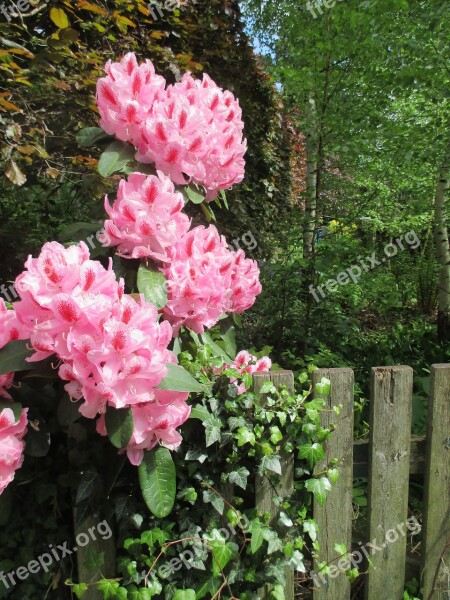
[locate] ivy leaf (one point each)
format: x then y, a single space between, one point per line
114 158
119 425
157 478
270 463
278 592
108 589
222 551
179 380
86 486
213 426
239 477
257 536
310 527
184 595
319 487
311 452
79 589
200 412
13 355
215 500
153 285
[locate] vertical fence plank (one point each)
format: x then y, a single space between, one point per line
335 517
390 436
264 491
436 521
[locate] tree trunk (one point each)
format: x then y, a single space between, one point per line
443 250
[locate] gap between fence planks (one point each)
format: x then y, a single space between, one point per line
264 492
436 521
390 437
335 517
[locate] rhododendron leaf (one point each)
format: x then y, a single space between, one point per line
114 158
14 406
218 351
119 425
157 477
89 136
13 355
179 380
194 195
153 285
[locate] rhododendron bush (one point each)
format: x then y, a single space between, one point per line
113 339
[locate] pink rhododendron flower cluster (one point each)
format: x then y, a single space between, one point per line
10 329
11 444
125 97
113 350
146 217
206 280
247 363
192 130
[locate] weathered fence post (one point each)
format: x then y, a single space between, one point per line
264 491
436 521
390 436
77 437
335 517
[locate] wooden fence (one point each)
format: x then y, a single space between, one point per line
391 456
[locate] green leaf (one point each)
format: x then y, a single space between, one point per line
222 551
114 158
179 380
200 412
87 137
271 463
194 195
207 340
153 285
257 536
213 426
184 595
278 592
311 452
86 486
79 589
239 477
108 589
157 478
119 425
319 487
13 355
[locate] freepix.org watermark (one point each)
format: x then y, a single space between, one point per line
319 5
157 7
353 559
10 10
46 560
365 265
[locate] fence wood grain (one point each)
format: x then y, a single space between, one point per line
390 433
436 520
264 491
335 517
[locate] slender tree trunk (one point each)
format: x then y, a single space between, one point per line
443 250
309 223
